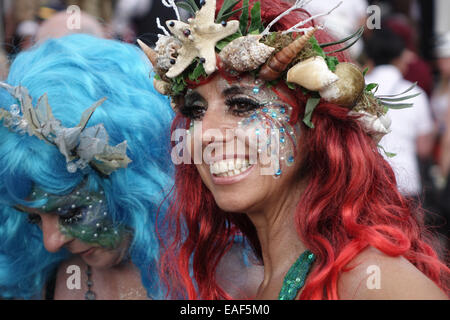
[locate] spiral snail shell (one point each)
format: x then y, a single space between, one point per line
279 62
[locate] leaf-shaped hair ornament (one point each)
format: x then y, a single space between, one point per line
80 146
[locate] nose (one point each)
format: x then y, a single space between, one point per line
217 125
53 239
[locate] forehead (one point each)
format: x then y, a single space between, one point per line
246 84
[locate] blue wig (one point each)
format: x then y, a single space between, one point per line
75 71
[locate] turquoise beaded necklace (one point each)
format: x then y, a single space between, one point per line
296 276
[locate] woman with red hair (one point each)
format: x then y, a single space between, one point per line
281 148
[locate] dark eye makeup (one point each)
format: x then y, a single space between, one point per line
194 106
239 105
72 216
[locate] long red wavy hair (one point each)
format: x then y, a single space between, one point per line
336 155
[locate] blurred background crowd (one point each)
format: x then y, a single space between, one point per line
405 41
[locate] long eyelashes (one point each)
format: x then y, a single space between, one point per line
238 106
194 112
241 106
72 216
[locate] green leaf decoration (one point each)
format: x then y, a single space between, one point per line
387 100
398 94
256 25
316 47
197 72
388 154
243 20
178 84
291 85
226 16
357 36
186 6
358 33
193 5
227 6
311 104
332 62
365 71
399 99
397 106
371 86
222 43
273 83
157 76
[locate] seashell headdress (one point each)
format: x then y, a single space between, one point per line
195 49
80 145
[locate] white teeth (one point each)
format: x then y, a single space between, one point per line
238 164
223 166
228 168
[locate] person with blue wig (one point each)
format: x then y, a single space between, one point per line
84 167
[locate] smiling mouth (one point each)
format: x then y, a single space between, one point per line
229 167
88 251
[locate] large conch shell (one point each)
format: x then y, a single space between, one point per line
161 86
151 54
348 89
279 62
245 53
312 74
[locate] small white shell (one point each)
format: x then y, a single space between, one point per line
166 47
312 74
377 127
161 86
245 53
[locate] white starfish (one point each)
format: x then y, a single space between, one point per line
199 37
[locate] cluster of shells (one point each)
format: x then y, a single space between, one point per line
344 86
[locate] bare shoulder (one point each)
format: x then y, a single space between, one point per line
374 275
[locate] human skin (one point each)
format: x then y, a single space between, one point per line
114 276
271 203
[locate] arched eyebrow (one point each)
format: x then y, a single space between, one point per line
232 90
193 96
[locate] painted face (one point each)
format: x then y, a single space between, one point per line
242 132
79 222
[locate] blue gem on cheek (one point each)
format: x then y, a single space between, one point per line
278 173
273 114
265 110
282 140
283 110
282 130
291 159
256 90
